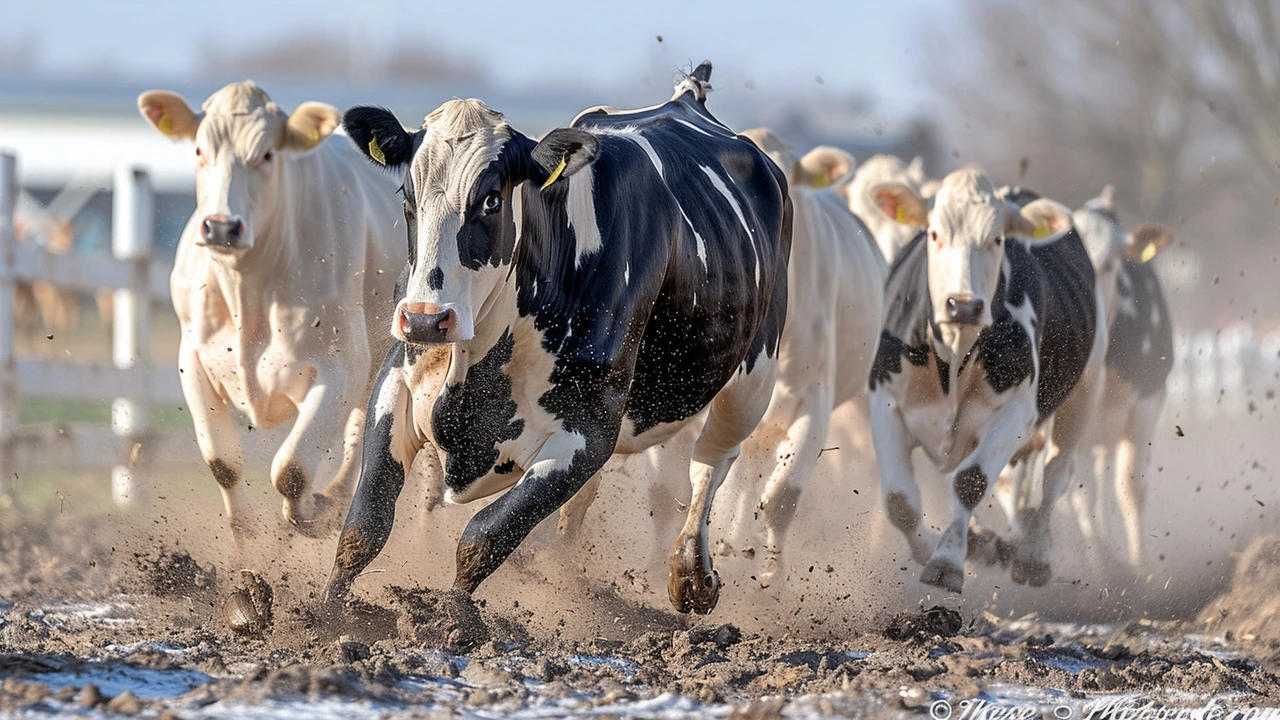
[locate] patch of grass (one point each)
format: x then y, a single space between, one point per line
39 411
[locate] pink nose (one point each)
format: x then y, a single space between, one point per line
425 323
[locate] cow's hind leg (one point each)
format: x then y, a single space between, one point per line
795 461
735 411
1009 429
1131 473
574 512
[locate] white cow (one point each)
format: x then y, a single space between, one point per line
835 302
283 280
891 233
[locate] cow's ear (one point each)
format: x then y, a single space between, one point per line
900 203
379 135
169 113
562 153
1149 239
310 125
1037 219
826 165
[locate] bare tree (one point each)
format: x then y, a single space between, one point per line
1241 75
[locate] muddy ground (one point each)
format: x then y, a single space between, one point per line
121 610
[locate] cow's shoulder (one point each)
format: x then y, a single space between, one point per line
905 333
1140 348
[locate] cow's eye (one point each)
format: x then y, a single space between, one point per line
267 156
933 235
198 153
998 241
492 202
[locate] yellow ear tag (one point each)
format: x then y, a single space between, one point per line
821 181
1148 252
1042 231
901 215
375 151
165 124
555 174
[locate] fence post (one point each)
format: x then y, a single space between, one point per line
133 223
8 379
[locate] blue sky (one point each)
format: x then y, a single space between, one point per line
853 46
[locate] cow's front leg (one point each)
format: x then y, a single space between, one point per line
1009 429
219 444
390 444
322 414
793 468
566 461
893 443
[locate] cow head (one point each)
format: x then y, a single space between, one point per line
891 232
462 210
965 234
239 137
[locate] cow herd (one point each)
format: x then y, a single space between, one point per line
535 306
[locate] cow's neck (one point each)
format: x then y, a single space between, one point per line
494 318
249 281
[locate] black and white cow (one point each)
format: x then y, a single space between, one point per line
1138 362
986 338
596 290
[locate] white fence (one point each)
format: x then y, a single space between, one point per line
129 383
1225 374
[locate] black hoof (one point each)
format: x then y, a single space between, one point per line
323 520
942 574
694 593
1035 574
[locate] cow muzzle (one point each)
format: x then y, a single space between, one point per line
965 309
426 323
221 231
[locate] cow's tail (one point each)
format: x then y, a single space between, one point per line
698 82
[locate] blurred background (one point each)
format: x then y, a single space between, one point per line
1175 103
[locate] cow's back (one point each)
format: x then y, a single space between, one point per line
694 235
1062 276
1140 349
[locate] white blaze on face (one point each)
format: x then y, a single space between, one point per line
965 250
463 137
236 144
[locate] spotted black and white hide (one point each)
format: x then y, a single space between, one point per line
989 333
1138 362
596 289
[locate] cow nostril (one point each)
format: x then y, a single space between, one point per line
237 227
207 227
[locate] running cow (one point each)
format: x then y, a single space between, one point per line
292 247
986 338
597 289
1138 362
